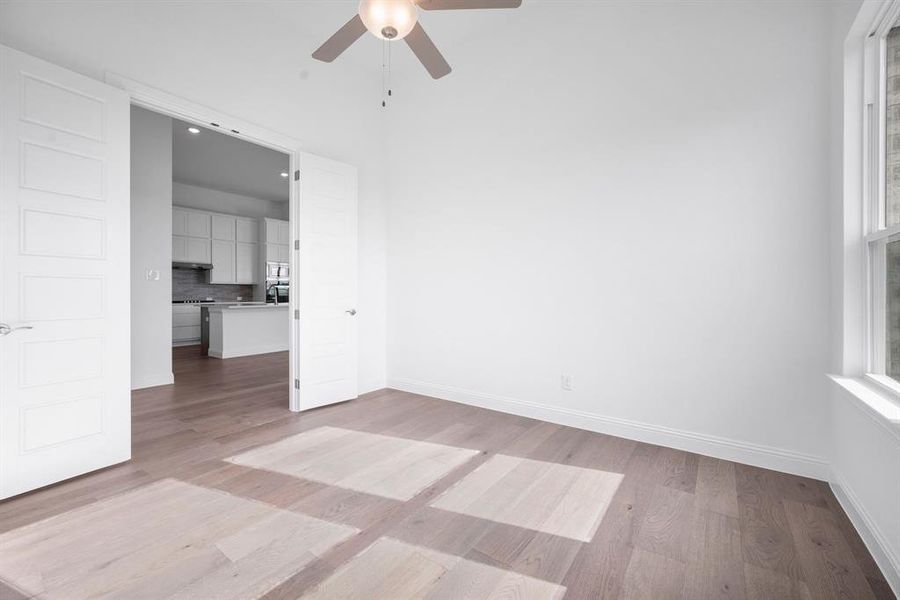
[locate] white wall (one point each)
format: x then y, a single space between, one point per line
640 201
333 109
192 196
151 249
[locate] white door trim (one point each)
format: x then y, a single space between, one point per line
165 103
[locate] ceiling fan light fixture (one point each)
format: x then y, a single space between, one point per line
388 19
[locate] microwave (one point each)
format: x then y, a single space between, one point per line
278 270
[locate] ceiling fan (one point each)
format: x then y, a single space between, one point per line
398 19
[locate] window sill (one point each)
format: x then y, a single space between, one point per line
879 402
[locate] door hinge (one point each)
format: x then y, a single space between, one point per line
297 175
296 244
296 384
296 313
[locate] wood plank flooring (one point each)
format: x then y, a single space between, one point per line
256 516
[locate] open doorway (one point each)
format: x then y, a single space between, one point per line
319 276
222 204
230 244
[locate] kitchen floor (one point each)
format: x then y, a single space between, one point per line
395 495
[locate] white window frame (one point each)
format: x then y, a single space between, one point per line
876 234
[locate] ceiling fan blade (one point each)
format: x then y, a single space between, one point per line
341 40
422 46
467 4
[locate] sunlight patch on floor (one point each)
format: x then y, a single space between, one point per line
169 539
558 499
390 568
381 465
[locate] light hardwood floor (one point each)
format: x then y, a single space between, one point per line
224 499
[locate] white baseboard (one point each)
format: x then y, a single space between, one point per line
248 351
148 381
777 459
874 538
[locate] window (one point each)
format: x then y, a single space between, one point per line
882 194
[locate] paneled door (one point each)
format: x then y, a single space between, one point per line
65 405
327 269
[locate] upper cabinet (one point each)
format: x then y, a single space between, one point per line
190 235
191 223
223 227
276 231
223 262
247 230
188 249
246 262
276 234
228 242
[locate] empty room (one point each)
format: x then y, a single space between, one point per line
450 299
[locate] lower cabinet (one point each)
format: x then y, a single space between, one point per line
185 324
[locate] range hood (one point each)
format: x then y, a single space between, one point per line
192 265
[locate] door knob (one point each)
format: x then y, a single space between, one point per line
351 312
6 329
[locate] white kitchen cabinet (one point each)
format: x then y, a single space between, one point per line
179 221
191 223
198 224
187 249
223 227
247 230
223 262
284 232
190 235
198 250
228 242
185 324
278 253
179 248
246 260
276 231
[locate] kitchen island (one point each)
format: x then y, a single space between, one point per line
246 329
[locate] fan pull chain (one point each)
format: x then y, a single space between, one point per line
389 69
383 72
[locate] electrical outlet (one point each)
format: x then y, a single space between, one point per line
565 382
239 298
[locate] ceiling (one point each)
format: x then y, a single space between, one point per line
222 162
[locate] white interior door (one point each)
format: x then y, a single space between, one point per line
65 401
325 282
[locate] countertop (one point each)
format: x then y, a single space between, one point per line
219 303
258 306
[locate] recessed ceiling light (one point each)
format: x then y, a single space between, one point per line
193 130
284 174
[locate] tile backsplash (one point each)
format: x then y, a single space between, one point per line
191 284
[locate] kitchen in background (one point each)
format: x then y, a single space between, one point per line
230 244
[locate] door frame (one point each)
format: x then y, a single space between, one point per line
158 101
